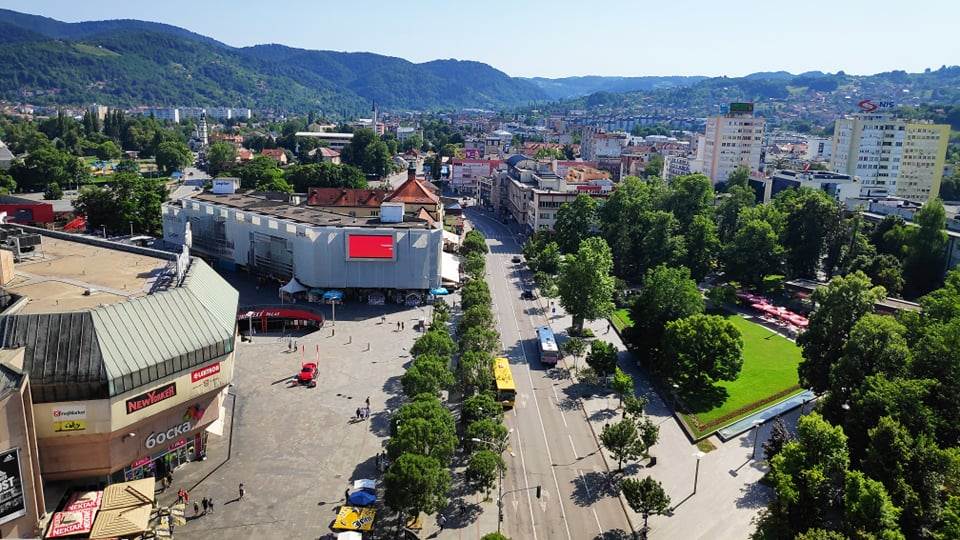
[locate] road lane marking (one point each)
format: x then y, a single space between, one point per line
526 484
586 486
575 454
559 408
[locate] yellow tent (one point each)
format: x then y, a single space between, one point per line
355 518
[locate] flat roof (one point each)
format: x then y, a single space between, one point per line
57 279
324 134
307 215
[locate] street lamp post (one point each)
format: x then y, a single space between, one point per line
696 471
500 448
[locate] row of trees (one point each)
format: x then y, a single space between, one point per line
801 233
881 458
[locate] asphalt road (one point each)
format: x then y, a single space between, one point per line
551 443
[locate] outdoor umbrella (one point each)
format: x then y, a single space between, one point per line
439 291
362 497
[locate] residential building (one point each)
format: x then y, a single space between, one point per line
99 111
464 173
583 174
901 157
634 159
168 114
674 166
596 144
405 132
335 141
839 186
276 153
819 149
326 154
530 194
6 157
219 113
731 140
353 202
129 352
418 197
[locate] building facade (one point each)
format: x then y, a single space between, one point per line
891 155
731 140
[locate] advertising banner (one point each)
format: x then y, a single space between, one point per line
12 502
370 246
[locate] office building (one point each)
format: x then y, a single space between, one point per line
730 140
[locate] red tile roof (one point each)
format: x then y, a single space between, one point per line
328 152
275 153
413 191
345 197
424 215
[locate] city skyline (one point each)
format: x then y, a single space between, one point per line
562 40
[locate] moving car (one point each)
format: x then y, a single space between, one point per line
308 374
528 294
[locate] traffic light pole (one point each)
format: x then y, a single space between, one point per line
500 498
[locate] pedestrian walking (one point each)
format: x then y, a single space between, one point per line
368 402
383 319
442 521
402 326
241 491
608 328
359 413
196 508
206 505
210 504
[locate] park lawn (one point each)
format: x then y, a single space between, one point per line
621 319
768 376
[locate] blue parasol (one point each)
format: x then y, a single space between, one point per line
362 497
439 291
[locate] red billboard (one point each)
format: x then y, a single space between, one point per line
370 246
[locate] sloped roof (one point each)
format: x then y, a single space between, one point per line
328 152
125 522
415 192
274 152
112 349
345 197
129 494
424 215
516 158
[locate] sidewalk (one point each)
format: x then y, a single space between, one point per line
728 492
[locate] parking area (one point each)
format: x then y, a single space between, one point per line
297 449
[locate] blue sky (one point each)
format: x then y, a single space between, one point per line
561 37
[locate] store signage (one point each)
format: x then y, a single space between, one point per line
868 105
12 502
168 435
70 425
138 403
141 462
204 372
69 412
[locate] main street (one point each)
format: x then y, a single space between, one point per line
551 443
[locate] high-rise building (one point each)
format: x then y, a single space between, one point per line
891 155
732 139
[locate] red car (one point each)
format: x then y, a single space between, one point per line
308 374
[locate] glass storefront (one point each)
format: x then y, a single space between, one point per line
184 450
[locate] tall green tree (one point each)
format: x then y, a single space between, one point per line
868 511
324 175
621 384
701 349
667 294
690 195
172 156
602 357
576 221
754 252
428 374
812 217
926 250
702 247
414 483
585 283
876 344
483 468
839 306
45 165
621 440
646 497
131 200
475 372
729 209
220 157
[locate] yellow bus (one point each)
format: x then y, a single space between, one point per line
506 388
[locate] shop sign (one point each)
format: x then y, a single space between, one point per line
12 502
138 403
70 425
181 443
168 435
204 372
141 462
69 412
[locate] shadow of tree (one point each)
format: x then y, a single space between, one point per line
591 487
603 415
702 398
614 534
754 495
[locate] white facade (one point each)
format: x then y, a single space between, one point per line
171 114
819 149
404 132
890 154
729 141
220 113
465 172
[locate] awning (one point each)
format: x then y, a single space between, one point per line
333 296
71 523
364 483
293 287
349 535
123 522
451 237
362 497
449 267
127 494
439 291
354 518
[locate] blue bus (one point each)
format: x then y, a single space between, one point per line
549 352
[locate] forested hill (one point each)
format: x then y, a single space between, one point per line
128 62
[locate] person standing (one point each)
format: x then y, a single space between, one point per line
206 505
241 491
368 402
442 521
196 509
210 503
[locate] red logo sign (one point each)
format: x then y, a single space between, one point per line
152 397
204 372
867 106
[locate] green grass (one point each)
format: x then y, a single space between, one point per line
621 319
93 50
768 375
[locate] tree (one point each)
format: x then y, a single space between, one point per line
483 468
649 433
489 430
479 339
368 152
414 484
633 406
659 241
868 510
131 200
646 497
478 316
621 440
45 165
475 292
423 426
839 306
494 536
876 344
702 247
779 436
475 265
435 342
926 249
575 222
753 253
221 157
811 218
690 195
480 407
7 183
729 209
108 150
702 349
585 284
53 192
602 357
474 242
172 156
740 177
809 472
475 372
259 171
667 294
428 374
622 384
324 175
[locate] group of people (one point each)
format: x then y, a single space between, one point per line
207 503
363 412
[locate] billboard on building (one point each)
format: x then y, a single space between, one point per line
12 502
741 107
370 246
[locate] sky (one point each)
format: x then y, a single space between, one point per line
535 38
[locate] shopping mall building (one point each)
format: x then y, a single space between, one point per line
128 353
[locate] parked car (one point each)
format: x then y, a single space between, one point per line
528 294
308 374
516 259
